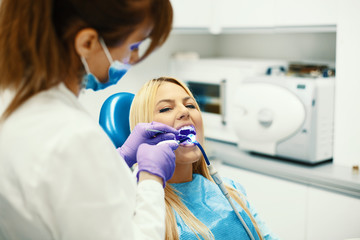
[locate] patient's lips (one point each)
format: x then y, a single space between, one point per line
185 132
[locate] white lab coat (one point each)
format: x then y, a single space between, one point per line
61 178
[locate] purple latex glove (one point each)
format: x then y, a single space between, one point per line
140 134
157 159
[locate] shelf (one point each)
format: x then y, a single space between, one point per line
259 30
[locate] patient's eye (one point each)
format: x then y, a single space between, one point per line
192 106
164 109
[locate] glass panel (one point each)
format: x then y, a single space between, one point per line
207 96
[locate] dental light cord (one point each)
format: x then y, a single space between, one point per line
217 179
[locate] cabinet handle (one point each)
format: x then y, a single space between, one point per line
223 101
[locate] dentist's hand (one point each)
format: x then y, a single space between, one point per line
140 135
158 160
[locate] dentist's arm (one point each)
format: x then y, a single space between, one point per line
148 176
154 161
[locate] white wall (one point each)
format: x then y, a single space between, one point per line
347 91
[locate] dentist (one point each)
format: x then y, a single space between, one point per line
60 175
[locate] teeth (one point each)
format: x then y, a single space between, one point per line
184 132
187 127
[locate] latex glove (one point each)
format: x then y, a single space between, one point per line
157 159
140 134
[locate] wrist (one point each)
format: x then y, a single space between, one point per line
144 175
123 154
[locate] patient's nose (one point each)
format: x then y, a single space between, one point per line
183 113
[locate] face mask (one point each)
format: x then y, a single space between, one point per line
117 70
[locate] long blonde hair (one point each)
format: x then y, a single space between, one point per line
142 110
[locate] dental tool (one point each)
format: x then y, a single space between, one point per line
179 138
217 179
155 131
187 135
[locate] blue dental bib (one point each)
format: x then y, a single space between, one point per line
205 200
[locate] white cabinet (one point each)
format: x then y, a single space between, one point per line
305 12
246 13
332 216
192 13
216 15
296 211
281 204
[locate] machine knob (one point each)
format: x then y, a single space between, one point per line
265 117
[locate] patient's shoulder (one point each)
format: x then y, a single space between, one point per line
235 185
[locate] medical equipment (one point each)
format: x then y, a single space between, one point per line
214 91
181 138
187 136
287 117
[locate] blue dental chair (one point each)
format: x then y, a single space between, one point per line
114 117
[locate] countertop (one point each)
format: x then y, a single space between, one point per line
337 178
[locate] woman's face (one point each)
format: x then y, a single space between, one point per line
174 107
126 52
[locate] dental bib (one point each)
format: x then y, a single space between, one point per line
205 200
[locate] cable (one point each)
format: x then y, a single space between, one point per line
202 151
217 179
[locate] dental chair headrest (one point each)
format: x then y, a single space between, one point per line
114 117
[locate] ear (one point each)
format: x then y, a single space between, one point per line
86 42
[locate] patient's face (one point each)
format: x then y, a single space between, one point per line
174 107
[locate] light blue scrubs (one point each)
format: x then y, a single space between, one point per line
205 200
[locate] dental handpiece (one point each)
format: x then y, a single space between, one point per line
155 131
186 133
180 140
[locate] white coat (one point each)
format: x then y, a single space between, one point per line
61 177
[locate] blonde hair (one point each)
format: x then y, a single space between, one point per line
142 110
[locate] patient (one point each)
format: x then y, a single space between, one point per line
195 207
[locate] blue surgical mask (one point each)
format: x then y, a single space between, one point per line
117 70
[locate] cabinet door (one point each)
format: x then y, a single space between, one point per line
305 12
281 204
332 216
252 14
246 13
192 13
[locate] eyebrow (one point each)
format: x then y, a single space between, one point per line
171 100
